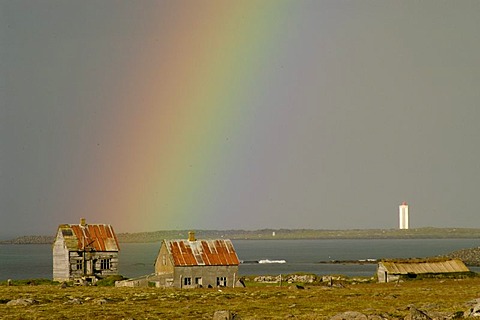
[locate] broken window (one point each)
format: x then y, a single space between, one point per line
105 264
67 232
78 265
221 281
187 281
198 281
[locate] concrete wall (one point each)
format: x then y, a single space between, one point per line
167 275
164 263
132 283
163 280
205 276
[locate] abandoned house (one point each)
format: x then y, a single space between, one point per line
196 263
393 270
84 252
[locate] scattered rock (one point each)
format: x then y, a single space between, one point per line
307 278
100 301
349 315
469 256
292 278
225 315
240 283
473 311
473 302
74 301
416 314
354 315
22 302
267 279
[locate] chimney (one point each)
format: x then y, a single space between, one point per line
82 222
191 236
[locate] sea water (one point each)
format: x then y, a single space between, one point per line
260 257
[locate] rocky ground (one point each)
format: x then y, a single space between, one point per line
410 300
470 257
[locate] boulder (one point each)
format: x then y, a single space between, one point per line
296 287
100 301
240 283
473 311
416 314
225 315
21 302
74 301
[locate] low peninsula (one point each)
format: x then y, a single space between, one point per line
277 234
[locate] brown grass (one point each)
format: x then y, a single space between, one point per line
389 300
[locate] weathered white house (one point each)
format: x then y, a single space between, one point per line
84 252
393 270
196 263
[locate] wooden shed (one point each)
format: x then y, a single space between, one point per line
84 252
393 270
196 263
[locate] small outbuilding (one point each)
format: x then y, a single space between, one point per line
85 252
192 263
393 270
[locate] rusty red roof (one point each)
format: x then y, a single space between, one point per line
89 237
202 252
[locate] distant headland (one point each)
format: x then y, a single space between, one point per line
278 234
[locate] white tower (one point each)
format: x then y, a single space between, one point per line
403 215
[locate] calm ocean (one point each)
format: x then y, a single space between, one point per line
136 259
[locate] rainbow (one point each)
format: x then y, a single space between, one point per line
183 113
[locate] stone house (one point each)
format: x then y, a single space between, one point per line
393 270
196 263
85 252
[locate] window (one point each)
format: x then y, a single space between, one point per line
221 281
105 264
164 260
78 265
67 233
198 281
187 281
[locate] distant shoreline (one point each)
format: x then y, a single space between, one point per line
278 234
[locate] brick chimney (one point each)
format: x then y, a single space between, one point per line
82 222
191 236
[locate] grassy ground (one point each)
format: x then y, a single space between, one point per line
390 300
